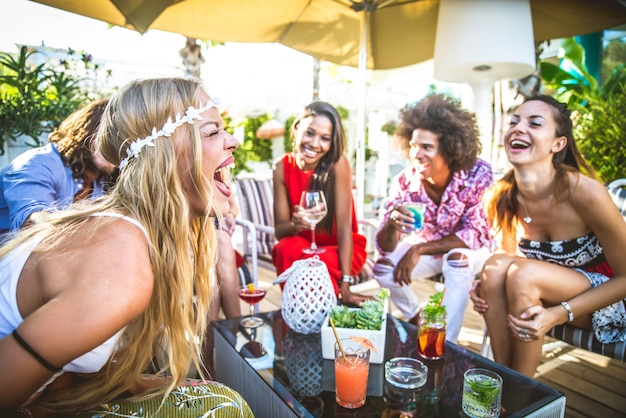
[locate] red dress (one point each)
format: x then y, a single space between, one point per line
289 249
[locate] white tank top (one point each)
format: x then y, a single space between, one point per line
10 318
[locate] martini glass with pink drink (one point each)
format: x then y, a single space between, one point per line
251 295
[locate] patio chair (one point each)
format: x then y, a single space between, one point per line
579 337
617 190
256 203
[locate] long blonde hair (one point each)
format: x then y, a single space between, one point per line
149 189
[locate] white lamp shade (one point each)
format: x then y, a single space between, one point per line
482 41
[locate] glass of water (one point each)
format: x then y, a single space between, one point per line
482 393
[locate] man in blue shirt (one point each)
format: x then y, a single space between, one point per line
53 176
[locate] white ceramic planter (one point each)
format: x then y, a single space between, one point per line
377 338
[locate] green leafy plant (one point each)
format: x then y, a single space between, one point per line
433 306
287 141
369 316
252 148
35 99
598 108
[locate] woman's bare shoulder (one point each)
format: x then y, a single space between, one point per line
594 205
343 163
278 171
585 190
108 253
342 168
278 162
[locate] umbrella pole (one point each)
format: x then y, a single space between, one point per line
483 107
361 117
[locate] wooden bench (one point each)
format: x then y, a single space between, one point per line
256 203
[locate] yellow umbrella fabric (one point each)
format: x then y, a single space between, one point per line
401 32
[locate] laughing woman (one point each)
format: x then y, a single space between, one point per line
570 235
92 295
318 162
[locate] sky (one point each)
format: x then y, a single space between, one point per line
250 77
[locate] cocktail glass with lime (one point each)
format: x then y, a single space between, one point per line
482 393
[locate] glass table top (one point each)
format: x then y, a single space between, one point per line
293 366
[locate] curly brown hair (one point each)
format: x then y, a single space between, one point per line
455 127
75 135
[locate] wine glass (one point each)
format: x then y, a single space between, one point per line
251 296
313 209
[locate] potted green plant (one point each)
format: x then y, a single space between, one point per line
367 322
35 99
598 107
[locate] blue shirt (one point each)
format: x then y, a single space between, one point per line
37 180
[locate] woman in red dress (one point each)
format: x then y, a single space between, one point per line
318 162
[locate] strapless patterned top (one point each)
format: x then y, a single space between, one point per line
584 253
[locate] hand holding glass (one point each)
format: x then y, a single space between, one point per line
417 211
313 209
251 296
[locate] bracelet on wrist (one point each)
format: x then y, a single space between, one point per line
347 279
570 314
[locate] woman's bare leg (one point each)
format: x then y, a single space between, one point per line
522 293
532 283
493 291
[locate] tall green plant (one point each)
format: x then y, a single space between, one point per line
598 107
35 99
252 148
287 140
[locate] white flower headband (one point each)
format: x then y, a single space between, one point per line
192 114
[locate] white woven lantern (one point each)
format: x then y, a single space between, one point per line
308 295
303 362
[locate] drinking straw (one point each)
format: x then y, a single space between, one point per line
343 353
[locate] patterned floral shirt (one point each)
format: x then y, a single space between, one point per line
460 211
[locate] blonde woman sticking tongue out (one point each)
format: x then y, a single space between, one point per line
93 295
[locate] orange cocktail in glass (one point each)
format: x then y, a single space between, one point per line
431 329
351 371
431 342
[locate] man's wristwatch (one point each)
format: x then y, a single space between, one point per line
347 279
